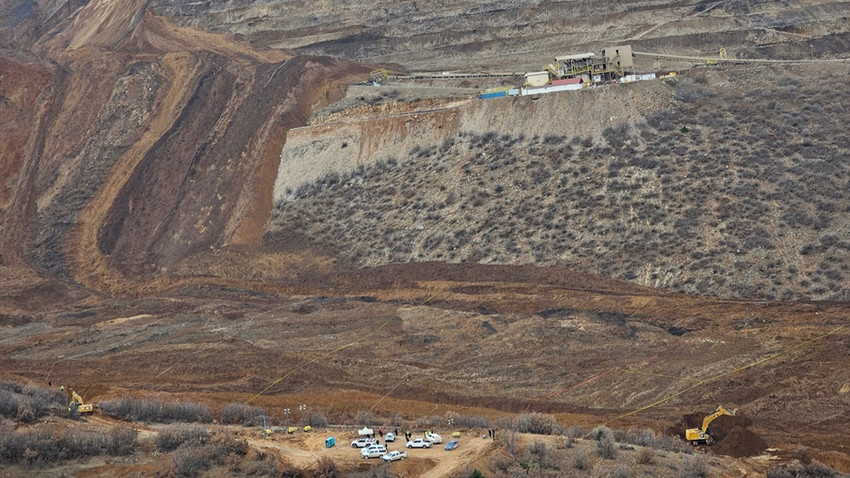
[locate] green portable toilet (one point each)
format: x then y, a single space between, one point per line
329 442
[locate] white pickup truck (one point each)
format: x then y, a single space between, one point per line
362 442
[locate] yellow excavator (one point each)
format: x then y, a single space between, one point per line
702 435
75 401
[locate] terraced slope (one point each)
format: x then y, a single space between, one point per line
507 34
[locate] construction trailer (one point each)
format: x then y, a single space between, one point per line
537 78
565 84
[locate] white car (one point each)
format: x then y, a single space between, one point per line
373 451
362 442
390 437
434 438
419 443
394 455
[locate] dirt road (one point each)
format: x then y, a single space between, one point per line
304 450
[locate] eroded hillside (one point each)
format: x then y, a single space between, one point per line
143 142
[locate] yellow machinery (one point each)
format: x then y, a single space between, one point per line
75 401
378 76
702 435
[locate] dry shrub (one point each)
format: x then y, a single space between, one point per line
156 410
247 415
171 438
365 418
314 419
646 456
538 450
53 444
564 442
812 469
645 437
605 447
509 441
580 459
26 403
197 454
537 423
326 468
694 467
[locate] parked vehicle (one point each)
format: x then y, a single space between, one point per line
390 437
362 442
394 455
419 443
373 451
451 445
434 438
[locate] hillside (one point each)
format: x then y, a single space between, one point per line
521 36
203 207
710 183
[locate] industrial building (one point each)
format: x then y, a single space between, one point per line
577 71
614 63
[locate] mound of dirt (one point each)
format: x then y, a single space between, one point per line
691 420
731 434
723 425
738 442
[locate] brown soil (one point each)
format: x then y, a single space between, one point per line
136 186
738 442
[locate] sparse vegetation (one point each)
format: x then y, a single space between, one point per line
247 415
156 410
26 403
812 469
168 439
765 196
536 423
53 444
195 450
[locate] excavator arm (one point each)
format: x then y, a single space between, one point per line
702 435
76 401
720 411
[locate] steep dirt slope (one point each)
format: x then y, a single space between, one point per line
127 159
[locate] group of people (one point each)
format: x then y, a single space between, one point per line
492 433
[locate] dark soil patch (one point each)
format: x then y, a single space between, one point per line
738 442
